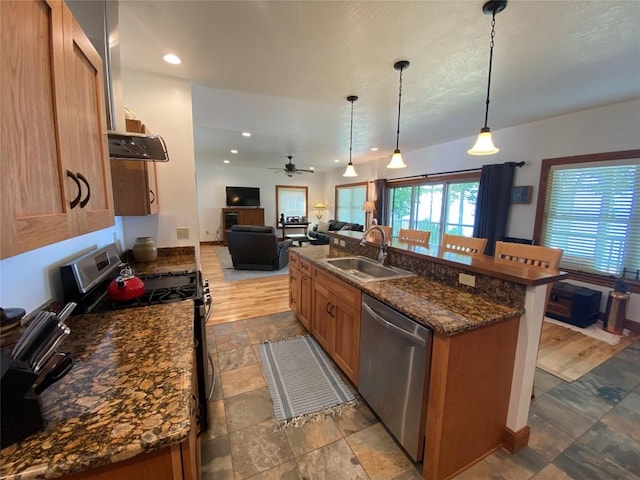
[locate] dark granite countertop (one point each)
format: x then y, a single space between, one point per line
173 259
129 392
446 310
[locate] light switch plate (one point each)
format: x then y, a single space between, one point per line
182 233
466 279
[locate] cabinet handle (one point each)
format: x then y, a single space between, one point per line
84 202
327 309
153 196
333 311
73 177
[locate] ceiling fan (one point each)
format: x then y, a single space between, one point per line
290 168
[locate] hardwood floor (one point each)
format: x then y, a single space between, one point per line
568 354
245 299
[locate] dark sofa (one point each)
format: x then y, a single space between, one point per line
322 238
257 248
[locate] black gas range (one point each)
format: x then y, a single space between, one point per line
85 281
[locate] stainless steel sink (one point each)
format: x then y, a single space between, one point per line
364 269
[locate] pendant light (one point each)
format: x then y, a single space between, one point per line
396 158
350 171
484 144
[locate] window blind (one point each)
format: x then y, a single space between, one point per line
593 214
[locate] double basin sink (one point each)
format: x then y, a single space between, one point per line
363 269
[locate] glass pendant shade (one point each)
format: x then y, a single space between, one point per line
396 160
484 144
350 171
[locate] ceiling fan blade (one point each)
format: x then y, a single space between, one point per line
303 170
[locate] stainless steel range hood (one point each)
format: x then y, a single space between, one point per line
133 146
99 19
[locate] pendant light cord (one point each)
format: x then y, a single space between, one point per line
351 133
493 33
399 101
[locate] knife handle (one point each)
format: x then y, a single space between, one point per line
57 372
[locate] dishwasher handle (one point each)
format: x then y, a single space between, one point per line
415 339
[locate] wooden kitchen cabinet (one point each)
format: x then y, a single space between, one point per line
135 183
300 289
55 178
240 216
335 322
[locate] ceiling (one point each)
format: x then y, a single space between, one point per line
282 70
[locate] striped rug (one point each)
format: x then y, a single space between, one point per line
301 380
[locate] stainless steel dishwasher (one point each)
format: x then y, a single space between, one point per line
395 358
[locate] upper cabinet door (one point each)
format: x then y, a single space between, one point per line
53 156
35 191
86 130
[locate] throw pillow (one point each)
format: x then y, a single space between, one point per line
323 227
348 226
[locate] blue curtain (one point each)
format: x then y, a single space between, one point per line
381 201
492 206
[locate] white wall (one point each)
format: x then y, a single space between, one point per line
163 104
610 128
33 278
212 180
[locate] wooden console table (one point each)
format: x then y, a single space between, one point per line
292 226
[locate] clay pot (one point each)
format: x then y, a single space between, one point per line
144 249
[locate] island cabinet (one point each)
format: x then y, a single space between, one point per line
468 397
335 321
300 289
135 182
55 178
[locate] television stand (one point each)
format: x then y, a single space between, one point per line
241 216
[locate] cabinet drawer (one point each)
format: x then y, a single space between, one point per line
294 259
351 296
305 267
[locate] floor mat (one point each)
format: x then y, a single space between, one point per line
302 381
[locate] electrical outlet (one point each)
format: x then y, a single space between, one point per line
335 241
466 279
182 233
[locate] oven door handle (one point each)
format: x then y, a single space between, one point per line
208 301
213 377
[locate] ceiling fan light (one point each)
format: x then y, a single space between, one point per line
350 171
484 144
396 160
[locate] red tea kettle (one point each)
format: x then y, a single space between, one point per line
125 286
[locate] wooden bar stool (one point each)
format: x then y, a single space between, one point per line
465 245
414 237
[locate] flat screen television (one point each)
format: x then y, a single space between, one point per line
243 197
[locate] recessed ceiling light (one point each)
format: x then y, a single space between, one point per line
246 134
337 160
312 168
226 161
172 59
374 149
234 151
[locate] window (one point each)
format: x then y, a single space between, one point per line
439 206
349 202
588 208
291 202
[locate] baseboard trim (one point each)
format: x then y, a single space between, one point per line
515 441
631 326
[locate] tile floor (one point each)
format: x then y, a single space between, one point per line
588 429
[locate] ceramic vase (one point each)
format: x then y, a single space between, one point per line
145 250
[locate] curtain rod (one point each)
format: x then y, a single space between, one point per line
426 175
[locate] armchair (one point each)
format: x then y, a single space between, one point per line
257 248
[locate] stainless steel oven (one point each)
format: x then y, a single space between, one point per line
85 281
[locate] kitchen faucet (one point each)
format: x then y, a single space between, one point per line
382 254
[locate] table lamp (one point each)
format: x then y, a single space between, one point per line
369 207
319 209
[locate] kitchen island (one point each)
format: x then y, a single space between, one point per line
126 409
485 341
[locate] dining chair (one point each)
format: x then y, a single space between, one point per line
466 245
376 236
534 256
414 237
